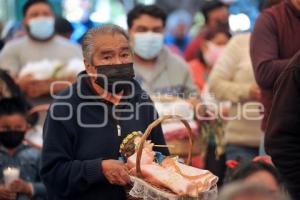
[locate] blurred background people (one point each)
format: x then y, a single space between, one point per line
244 191
157 69
12 30
207 54
8 87
13 153
63 27
256 172
232 79
216 15
40 43
178 25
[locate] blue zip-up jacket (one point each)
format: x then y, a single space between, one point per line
81 131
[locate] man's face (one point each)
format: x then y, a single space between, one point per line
109 49
296 3
146 36
38 10
218 16
14 122
146 23
39 22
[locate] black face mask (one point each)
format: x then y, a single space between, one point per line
119 77
11 139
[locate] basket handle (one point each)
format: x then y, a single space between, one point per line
148 132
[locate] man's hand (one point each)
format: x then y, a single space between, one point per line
116 172
6 194
32 87
37 88
20 186
255 93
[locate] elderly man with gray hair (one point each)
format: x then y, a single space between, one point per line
87 122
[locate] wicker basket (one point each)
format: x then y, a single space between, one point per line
164 193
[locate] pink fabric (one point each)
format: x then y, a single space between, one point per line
147 158
160 176
204 181
177 130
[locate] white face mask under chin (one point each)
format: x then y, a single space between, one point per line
148 45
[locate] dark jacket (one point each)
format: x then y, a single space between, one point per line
283 131
27 159
274 41
80 132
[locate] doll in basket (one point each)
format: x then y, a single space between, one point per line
165 172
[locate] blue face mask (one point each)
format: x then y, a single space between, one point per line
148 45
41 27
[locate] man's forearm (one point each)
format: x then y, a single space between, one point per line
267 72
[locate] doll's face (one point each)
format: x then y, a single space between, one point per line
148 145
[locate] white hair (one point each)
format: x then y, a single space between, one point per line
89 38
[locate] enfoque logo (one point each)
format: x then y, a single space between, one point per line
64 110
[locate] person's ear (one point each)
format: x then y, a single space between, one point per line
129 31
89 68
87 65
25 21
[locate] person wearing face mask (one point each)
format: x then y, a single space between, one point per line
13 152
88 121
232 79
40 43
216 16
207 55
157 69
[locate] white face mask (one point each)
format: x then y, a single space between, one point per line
148 45
41 27
213 53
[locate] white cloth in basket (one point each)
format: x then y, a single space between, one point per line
142 189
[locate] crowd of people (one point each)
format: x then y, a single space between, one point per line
98 94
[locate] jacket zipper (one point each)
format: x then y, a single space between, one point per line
119 130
